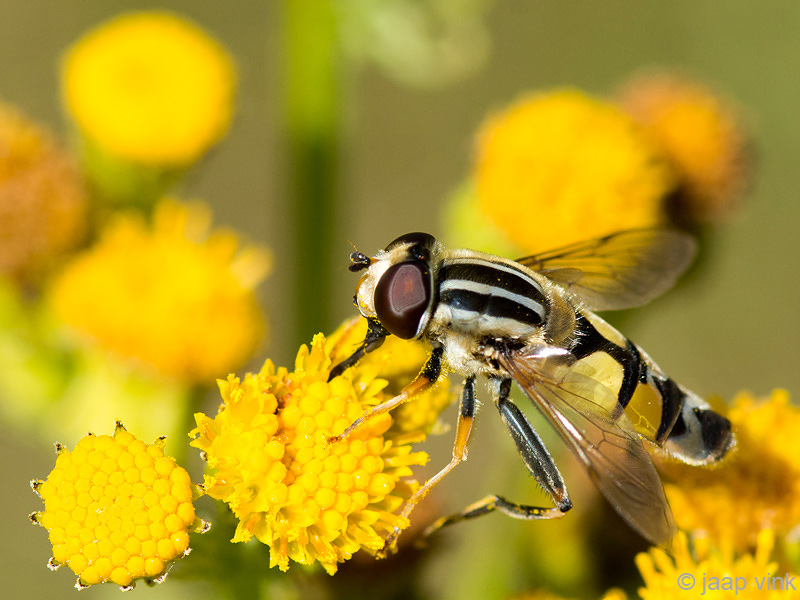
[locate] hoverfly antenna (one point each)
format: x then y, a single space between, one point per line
359 261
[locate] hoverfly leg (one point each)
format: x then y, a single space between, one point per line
426 379
536 458
374 338
530 446
466 415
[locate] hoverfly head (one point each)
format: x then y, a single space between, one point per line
403 292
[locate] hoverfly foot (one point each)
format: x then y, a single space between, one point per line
389 544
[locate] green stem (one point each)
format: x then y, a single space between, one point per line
192 403
313 107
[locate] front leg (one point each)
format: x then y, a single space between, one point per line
426 379
374 338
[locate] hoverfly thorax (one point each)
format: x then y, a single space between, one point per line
398 287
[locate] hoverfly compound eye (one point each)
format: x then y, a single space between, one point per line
402 297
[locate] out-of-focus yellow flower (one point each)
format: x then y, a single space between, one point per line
269 459
756 488
117 509
150 87
171 295
466 225
561 167
426 44
701 135
713 572
398 361
42 197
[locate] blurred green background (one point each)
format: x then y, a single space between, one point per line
407 147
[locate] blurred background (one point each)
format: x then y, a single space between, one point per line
408 142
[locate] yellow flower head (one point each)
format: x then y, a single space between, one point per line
150 87
756 488
171 294
398 361
269 459
712 572
117 509
561 167
42 197
701 135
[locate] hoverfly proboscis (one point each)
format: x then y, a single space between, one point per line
532 321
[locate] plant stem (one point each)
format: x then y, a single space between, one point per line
313 110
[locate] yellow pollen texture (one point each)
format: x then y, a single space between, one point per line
270 461
116 509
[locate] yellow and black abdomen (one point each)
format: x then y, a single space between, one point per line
661 410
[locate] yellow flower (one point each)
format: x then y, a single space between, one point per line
756 488
466 225
117 510
171 295
150 87
561 167
42 197
398 361
269 460
701 135
713 572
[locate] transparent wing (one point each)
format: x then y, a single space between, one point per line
583 412
620 270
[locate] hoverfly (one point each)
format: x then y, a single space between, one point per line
531 321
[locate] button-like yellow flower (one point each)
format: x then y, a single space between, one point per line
561 167
150 87
701 135
42 197
756 488
117 510
171 294
270 461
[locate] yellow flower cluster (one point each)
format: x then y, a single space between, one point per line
171 294
701 136
756 488
116 509
150 88
561 167
270 460
398 361
42 198
713 572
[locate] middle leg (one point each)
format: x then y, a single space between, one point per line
466 415
536 458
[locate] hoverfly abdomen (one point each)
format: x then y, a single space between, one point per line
700 436
661 410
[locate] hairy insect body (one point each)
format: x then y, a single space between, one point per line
531 321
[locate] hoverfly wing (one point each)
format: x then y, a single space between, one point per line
620 270
581 409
